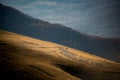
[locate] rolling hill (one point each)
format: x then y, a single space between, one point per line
15 21
25 58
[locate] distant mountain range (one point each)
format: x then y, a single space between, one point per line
15 21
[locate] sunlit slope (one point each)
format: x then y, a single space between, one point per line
24 58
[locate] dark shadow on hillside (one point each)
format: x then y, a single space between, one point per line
75 71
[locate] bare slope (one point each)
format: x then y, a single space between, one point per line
24 58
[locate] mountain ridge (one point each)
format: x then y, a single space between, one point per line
15 21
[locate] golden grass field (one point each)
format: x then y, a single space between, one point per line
25 58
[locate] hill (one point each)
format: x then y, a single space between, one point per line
25 58
15 21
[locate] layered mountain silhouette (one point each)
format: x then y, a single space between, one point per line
15 21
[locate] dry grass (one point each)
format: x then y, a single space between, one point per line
24 58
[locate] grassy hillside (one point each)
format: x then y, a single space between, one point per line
24 58
15 21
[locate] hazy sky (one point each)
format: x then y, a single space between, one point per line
97 17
